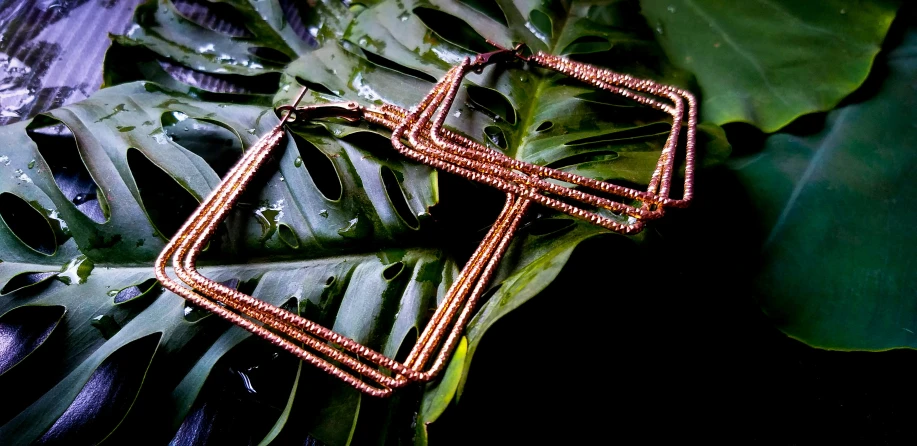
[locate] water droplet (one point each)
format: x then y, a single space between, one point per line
843 11
113 293
268 217
82 198
671 9
5 160
404 17
32 164
659 29
323 213
76 271
298 161
251 131
351 227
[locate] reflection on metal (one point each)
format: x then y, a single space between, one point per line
430 143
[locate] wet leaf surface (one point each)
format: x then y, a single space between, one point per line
741 54
833 212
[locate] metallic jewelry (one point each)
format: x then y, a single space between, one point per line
430 143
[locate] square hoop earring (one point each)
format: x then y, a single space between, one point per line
445 150
511 175
653 201
193 236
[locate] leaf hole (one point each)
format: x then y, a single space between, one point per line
222 83
587 44
392 271
542 23
395 66
490 8
453 29
25 280
410 338
214 16
27 224
314 86
24 329
397 198
296 12
167 203
493 101
60 150
137 291
288 235
321 169
253 382
219 146
107 397
495 136
270 55
545 126
330 281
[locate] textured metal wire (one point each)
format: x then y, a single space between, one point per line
432 144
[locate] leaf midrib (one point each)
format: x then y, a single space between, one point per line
529 112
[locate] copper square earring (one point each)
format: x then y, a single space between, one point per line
282 327
445 150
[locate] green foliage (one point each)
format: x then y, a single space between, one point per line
768 62
833 210
343 230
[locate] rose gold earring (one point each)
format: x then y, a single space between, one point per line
193 236
431 144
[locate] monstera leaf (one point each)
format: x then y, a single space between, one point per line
339 227
86 212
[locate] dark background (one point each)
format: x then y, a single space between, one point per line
655 360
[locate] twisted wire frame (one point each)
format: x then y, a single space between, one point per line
459 155
433 145
286 329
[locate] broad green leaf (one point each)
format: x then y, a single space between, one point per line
835 211
438 395
767 62
339 194
272 43
105 198
536 116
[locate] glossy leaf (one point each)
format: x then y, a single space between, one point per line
835 212
101 273
336 194
768 62
539 117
